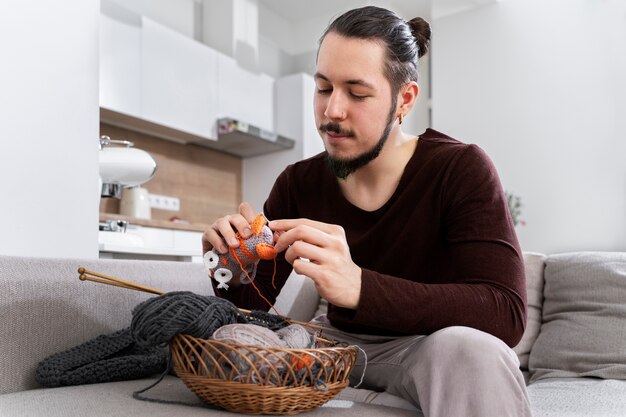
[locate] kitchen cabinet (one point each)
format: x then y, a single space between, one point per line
162 83
141 242
179 84
245 95
120 60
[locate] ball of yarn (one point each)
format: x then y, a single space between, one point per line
157 320
248 334
296 336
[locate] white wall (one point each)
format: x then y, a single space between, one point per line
293 118
49 128
175 14
541 86
418 120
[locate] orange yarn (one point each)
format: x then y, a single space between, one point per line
248 253
257 288
301 361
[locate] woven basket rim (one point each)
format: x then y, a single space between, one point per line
266 348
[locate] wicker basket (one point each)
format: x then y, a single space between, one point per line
260 380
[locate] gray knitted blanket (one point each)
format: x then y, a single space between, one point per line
107 358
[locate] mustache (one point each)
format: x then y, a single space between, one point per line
335 128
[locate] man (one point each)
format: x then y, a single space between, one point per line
408 238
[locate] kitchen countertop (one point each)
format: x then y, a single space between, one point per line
163 224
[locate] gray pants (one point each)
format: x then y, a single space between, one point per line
456 371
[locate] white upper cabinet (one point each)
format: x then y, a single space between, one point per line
245 95
120 60
171 85
178 81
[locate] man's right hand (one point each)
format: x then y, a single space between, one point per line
222 232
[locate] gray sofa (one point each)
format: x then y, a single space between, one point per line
573 352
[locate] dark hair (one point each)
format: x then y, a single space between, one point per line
405 42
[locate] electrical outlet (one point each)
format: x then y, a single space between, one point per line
164 202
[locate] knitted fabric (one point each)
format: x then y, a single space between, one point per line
265 319
157 320
137 352
242 261
107 358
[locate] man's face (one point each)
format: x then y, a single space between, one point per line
352 101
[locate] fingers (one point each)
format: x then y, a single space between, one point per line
223 232
288 224
308 269
211 239
300 249
246 210
316 233
206 245
300 233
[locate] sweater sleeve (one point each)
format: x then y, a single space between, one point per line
487 291
267 282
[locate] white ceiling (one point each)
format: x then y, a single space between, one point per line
300 10
305 19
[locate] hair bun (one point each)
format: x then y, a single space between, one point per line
421 31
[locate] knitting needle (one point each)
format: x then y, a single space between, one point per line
109 280
117 282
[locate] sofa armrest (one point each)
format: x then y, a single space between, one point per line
298 299
46 309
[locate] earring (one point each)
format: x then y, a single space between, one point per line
400 118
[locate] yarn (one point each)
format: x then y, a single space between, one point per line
295 336
265 319
364 366
269 365
242 261
248 334
106 358
136 352
157 320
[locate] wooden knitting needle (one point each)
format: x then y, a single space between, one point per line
117 282
86 275
109 280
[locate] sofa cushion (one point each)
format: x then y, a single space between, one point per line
588 397
534 266
583 330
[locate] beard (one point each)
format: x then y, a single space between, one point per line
341 168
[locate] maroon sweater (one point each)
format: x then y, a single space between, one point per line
441 252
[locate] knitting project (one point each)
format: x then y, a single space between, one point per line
137 351
107 358
242 261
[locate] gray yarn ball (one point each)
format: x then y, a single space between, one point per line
157 320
